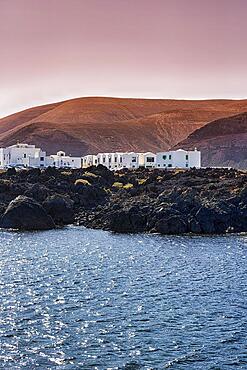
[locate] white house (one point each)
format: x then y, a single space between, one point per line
130 160
61 160
25 155
118 160
178 159
147 160
22 155
89 160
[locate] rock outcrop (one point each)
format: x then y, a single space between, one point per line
197 201
25 213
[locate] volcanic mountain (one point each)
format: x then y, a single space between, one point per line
95 124
222 142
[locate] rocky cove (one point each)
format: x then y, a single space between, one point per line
197 201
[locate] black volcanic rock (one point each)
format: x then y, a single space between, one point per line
60 208
197 201
25 213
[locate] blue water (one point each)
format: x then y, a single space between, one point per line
84 299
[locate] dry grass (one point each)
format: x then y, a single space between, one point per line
82 182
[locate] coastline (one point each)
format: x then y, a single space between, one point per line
175 202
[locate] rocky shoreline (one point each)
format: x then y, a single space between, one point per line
197 201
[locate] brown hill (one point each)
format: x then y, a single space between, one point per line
90 125
222 142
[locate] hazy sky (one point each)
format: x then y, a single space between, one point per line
51 50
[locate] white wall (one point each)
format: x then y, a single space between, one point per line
89 160
147 160
178 159
22 155
60 160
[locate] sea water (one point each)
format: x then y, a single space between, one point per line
85 299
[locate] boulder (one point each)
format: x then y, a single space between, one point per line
60 208
131 220
25 213
38 192
171 225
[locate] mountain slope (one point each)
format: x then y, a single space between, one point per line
90 125
222 142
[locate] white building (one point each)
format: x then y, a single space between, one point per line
22 155
61 160
118 160
178 159
147 160
171 159
89 160
25 155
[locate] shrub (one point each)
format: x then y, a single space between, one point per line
128 186
82 182
141 181
90 174
118 185
66 173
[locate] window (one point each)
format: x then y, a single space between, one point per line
187 157
133 159
170 156
158 165
42 159
24 155
150 159
186 165
115 159
72 160
103 159
109 159
164 157
121 159
169 165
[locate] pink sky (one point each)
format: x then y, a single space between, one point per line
52 50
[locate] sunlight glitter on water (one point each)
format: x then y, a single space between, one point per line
77 298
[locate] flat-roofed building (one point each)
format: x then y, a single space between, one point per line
179 159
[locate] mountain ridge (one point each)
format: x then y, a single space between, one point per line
89 125
221 142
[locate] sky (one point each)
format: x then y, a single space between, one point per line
52 50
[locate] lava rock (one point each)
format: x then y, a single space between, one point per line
25 213
60 208
171 225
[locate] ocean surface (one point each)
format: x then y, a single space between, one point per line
86 299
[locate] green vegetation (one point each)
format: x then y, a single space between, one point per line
141 181
128 186
118 185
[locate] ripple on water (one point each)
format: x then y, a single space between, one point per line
85 299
